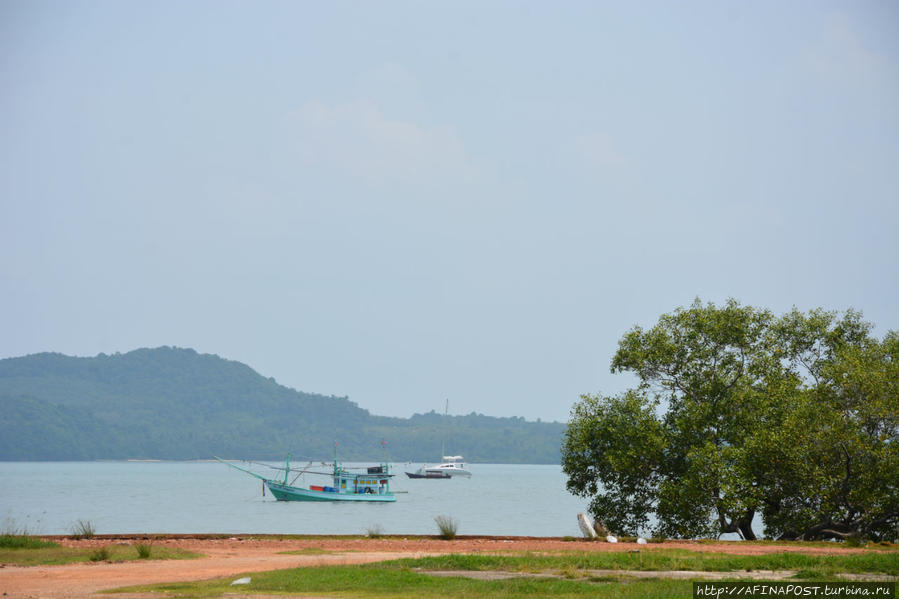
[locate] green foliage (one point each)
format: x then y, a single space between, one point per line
144 550
613 444
172 403
13 541
447 527
100 554
796 417
20 537
831 469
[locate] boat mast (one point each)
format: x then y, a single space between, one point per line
443 443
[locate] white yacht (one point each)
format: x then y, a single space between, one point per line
453 465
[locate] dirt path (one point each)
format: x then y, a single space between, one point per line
231 557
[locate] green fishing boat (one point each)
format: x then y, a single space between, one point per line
368 484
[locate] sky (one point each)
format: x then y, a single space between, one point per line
412 202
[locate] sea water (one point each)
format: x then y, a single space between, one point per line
209 497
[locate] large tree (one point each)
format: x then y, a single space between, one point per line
829 464
739 412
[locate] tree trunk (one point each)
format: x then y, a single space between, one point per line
745 524
741 525
829 530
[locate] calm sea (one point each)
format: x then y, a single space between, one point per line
209 497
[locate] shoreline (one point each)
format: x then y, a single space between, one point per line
826 546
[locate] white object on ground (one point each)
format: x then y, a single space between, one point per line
641 541
245 580
586 527
611 539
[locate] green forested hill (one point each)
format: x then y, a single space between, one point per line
172 403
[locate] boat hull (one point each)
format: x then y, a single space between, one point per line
288 493
428 475
448 472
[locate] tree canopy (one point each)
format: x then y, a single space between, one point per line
738 413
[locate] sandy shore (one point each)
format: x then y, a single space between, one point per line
239 555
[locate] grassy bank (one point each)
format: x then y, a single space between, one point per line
23 550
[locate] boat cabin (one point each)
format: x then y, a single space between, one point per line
376 481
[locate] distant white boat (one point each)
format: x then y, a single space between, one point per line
453 465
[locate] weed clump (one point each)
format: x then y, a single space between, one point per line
144 550
100 554
83 529
447 526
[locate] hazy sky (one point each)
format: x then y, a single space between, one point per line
408 202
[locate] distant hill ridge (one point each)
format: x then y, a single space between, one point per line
174 403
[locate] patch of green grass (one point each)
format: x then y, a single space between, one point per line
56 554
13 536
402 583
402 578
881 545
663 559
24 541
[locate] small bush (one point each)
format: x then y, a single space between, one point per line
144 550
83 529
448 527
100 554
374 532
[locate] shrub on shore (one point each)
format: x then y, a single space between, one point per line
144 550
101 554
448 527
83 529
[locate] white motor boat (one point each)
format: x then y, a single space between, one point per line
453 465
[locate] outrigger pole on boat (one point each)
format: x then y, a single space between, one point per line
371 485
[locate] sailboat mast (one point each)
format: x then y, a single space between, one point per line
443 443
